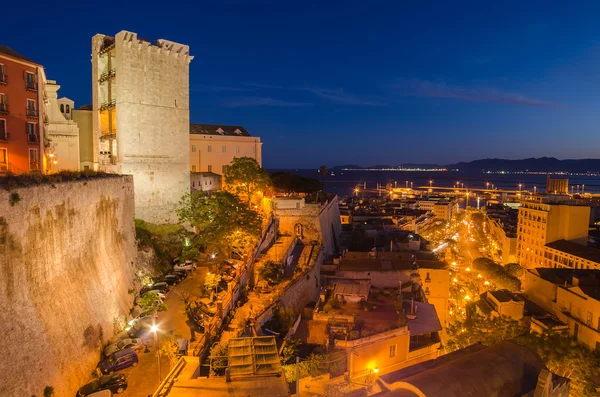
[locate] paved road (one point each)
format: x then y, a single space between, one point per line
143 379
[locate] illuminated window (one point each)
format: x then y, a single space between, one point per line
393 351
209 149
33 159
210 168
3 158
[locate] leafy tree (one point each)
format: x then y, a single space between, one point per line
289 183
48 391
151 303
245 178
290 350
270 272
168 347
497 273
222 222
212 280
515 270
283 319
219 359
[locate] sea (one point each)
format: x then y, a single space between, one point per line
343 182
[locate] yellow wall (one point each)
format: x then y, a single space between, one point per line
235 146
581 312
83 118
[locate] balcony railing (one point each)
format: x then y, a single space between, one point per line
4 167
108 105
31 112
4 136
31 85
3 78
107 75
3 108
34 166
33 138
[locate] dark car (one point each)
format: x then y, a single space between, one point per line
119 360
158 286
169 279
181 273
116 383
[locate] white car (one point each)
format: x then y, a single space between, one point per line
135 343
187 266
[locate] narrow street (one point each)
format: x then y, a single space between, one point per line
144 379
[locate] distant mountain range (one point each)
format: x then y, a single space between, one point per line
542 164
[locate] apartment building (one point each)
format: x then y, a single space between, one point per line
445 209
213 147
542 223
567 254
502 226
21 113
573 296
140 95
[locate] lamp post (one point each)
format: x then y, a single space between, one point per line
154 330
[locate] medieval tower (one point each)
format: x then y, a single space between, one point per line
141 118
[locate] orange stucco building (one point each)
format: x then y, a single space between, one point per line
21 113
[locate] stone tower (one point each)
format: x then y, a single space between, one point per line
141 118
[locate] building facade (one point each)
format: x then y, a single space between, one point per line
62 132
83 118
21 113
566 254
543 223
557 185
140 93
213 147
205 181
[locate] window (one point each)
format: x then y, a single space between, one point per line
30 81
223 169
3 136
590 319
68 109
62 108
209 149
3 103
33 159
193 148
30 129
193 168
224 149
393 351
252 149
86 167
210 168
31 112
2 74
3 156
237 149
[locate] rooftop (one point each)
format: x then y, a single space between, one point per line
560 276
13 54
579 250
215 129
503 295
426 319
504 369
365 261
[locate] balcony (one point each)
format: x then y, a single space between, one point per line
107 76
3 108
108 105
31 113
34 166
3 78
33 138
31 85
4 136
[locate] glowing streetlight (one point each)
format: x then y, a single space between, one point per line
486 283
455 280
468 269
467 298
430 182
376 370
479 276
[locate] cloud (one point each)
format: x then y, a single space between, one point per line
342 97
424 88
261 101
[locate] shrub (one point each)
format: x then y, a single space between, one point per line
14 198
270 272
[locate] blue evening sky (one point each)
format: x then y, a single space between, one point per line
345 82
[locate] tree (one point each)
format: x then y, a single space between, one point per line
290 183
515 270
245 178
290 350
323 171
212 280
151 303
222 222
169 348
270 272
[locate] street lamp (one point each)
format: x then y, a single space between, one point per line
430 182
154 330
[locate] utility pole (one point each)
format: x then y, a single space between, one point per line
297 376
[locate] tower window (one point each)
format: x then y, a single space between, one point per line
62 108
68 109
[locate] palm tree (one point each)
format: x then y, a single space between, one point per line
323 172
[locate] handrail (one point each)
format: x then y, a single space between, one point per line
165 386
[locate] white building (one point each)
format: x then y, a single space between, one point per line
62 131
213 147
141 115
205 181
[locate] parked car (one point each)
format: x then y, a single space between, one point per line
208 306
119 360
160 286
136 344
169 279
115 383
187 266
181 273
141 329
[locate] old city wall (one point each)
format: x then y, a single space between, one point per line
67 255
